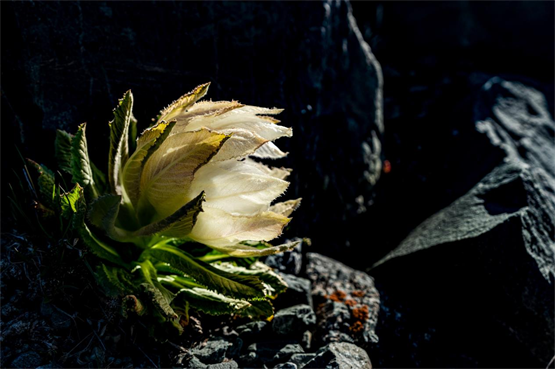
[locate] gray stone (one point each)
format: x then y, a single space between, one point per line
294 320
261 353
286 366
340 355
302 359
231 364
286 352
347 300
251 330
29 359
298 292
217 349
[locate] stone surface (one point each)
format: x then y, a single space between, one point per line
293 321
286 366
299 291
347 301
301 359
217 349
286 352
251 330
259 354
340 355
487 259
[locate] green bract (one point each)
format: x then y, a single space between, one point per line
176 202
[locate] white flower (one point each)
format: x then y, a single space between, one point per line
208 149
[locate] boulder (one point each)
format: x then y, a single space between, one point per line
299 292
217 349
347 301
473 284
293 321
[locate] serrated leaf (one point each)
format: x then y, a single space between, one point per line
114 280
132 133
69 201
46 184
103 213
99 179
160 297
209 302
183 103
98 247
149 141
259 309
80 163
168 173
119 141
62 151
274 282
219 280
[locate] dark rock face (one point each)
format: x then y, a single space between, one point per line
293 320
487 259
70 62
346 299
217 349
299 292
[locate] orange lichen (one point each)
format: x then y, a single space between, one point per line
357 327
358 293
337 296
350 302
361 313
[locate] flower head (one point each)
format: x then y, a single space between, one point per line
204 149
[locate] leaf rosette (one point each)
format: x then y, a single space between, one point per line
193 180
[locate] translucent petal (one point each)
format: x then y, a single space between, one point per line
216 227
240 187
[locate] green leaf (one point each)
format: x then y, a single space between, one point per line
216 279
245 250
132 133
80 163
150 141
119 141
62 151
69 201
273 281
98 247
114 280
183 103
46 184
99 178
160 296
103 214
209 302
259 309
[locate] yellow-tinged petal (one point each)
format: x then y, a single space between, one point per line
183 103
286 208
269 151
168 173
218 228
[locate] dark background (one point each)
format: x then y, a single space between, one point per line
64 63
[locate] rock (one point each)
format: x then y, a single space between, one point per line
261 353
286 352
29 359
293 320
298 292
340 355
487 259
318 55
217 349
286 366
301 359
289 262
231 364
251 330
346 299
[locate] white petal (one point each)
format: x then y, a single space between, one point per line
281 173
202 110
241 144
216 227
237 119
286 208
237 186
269 151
